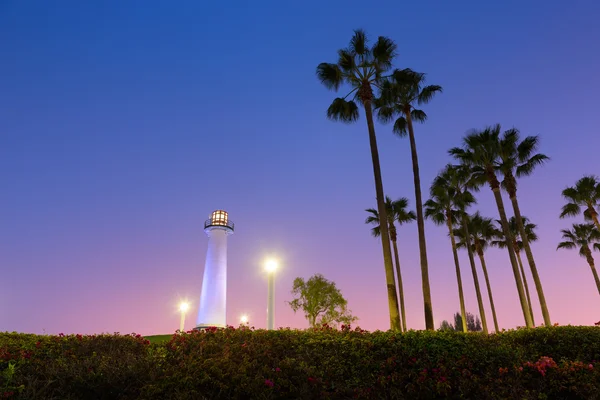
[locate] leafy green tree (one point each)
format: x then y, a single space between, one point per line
397 213
447 326
361 67
446 205
585 237
321 301
481 154
483 232
400 94
473 322
519 158
518 244
585 194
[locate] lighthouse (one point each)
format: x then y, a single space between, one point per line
213 298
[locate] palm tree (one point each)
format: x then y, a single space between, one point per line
360 67
483 232
399 95
445 206
518 245
585 237
481 154
396 212
520 159
586 194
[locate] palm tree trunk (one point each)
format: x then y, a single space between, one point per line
420 226
461 296
590 261
383 228
475 279
400 287
511 255
595 217
532 266
489 289
518 254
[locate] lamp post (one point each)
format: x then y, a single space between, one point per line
183 308
271 266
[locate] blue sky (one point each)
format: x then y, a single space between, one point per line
124 124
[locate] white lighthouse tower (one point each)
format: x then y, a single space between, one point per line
214 284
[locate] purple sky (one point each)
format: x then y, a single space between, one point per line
122 126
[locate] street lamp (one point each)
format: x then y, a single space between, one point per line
184 306
271 266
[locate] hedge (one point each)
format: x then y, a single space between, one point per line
541 363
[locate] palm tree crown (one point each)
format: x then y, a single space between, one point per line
399 94
359 67
482 230
518 158
585 237
481 154
514 230
585 193
396 212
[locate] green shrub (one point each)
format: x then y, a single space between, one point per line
552 363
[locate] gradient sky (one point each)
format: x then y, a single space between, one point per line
124 124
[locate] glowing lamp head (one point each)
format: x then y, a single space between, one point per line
271 265
244 319
219 217
184 307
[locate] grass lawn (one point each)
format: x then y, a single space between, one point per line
159 338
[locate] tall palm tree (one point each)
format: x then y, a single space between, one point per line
519 158
361 67
446 206
399 95
483 232
586 237
518 245
585 194
396 212
481 154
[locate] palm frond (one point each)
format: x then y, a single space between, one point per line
373 217
529 165
427 93
384 51
566 245
342 110
346 61
400 127
501 244
570 210
384 113
527 147
418 115
330 75
571 193
358 43
407 77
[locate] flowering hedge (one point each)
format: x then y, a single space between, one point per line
557 362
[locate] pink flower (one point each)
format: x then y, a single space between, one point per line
269 383
311 379
590 366
277 369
